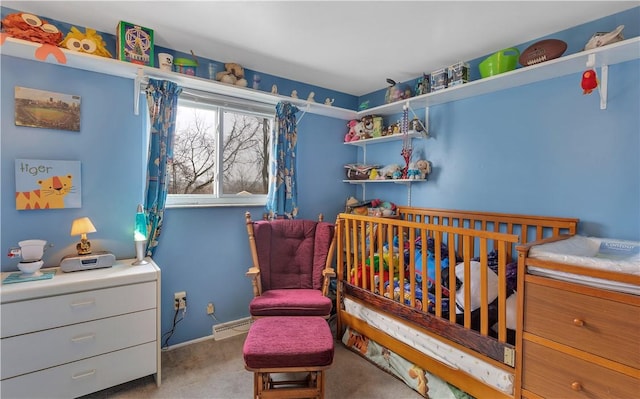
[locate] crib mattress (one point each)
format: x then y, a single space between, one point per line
598 253
453 357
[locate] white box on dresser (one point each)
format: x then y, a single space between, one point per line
80 332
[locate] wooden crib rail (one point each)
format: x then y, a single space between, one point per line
528 227
362 239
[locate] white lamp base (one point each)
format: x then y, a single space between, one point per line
140 244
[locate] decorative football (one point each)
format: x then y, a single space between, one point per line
542 51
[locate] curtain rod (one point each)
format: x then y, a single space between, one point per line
142 80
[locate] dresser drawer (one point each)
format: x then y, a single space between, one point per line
85 376
39 314
50 348
596 325
553 374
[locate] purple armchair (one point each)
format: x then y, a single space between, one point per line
291 267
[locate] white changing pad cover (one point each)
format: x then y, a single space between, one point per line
598 253
438 350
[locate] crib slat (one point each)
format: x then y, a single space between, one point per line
484 289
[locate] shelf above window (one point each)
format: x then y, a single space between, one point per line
109 66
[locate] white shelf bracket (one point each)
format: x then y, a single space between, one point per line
425 125
604 78
136 91
426 121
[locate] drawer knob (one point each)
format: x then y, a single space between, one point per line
578 322
576 386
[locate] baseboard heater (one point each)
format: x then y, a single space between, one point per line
231 328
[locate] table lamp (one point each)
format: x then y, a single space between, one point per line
140 236
81 227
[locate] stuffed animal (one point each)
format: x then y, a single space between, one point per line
389 171
29 27
413 172
424 167
233 74
89 42
351 135
367 124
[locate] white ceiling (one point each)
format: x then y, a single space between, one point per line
348 46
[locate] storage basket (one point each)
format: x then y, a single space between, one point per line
355 171
503 61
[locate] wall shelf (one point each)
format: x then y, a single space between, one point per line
396 181
109 66
383 139
611 54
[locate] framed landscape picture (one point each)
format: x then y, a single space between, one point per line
47 109
42 184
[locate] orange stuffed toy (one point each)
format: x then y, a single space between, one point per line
29 27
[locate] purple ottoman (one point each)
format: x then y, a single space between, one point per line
289 344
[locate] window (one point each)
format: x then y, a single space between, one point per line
220 152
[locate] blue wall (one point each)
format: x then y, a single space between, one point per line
203 251
542 148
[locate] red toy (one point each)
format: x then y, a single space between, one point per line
29 27
589 81
542 51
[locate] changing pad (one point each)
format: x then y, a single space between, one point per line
597 253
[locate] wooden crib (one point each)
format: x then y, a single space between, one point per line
395 267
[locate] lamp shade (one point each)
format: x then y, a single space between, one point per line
140 232
82 226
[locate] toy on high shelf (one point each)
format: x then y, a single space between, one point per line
589 81
135 44
89 42
29 27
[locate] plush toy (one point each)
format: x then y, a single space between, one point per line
34 29
89 42
367 125
424 167
389 171
384 208
413 172
589 81
352 135
233 74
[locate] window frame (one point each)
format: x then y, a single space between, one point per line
219 103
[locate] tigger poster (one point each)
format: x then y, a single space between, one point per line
42 184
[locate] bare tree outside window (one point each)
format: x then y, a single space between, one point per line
243 141
192 170
246 140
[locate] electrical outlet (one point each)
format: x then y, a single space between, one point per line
180 300
210 309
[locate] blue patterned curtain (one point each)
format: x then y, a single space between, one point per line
162 100
282 199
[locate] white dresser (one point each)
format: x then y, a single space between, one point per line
80 332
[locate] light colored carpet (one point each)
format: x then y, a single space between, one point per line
215 369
